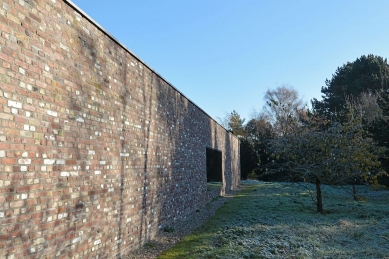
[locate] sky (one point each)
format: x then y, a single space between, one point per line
224 54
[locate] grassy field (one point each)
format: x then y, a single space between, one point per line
211 186
279 220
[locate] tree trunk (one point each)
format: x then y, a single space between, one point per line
319 203
355 193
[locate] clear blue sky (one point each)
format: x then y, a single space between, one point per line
224 54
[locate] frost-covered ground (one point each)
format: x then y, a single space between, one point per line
279 220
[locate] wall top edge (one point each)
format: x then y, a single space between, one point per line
101 28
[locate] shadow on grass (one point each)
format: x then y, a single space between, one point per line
212 186
279 220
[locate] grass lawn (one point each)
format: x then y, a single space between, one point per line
211 186
279 220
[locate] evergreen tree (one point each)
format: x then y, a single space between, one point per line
367 74
235 124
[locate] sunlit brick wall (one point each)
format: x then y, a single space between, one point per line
97 151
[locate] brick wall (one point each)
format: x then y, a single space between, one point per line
97 151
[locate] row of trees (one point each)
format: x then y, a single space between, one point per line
277 119
342 139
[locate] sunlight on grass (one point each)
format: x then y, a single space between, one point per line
279 220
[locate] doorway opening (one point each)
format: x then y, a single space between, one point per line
214 165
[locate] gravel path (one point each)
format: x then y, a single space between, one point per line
165 240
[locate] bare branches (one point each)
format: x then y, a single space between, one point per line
365 106
283 108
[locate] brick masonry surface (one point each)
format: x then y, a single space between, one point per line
97 151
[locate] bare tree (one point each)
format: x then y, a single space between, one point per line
225 120
365 106
284 108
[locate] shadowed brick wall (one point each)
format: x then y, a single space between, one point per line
97 151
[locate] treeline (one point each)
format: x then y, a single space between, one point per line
342 139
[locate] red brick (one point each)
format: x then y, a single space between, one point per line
20 119
6 58
8 161
37 215
14 234
36 18
25 188
4 146
17 146
23 217
4 237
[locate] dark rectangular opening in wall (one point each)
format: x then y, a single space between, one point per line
214 165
